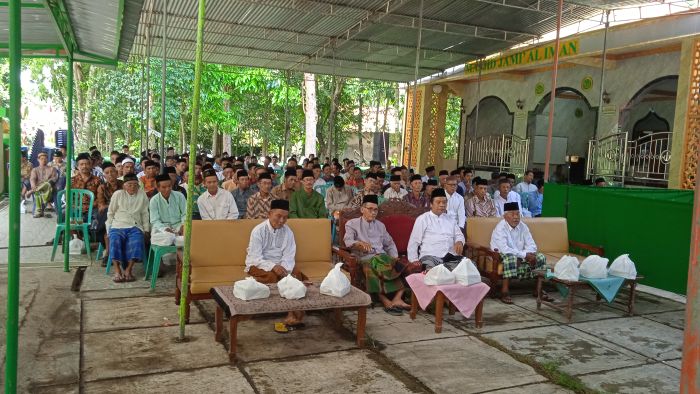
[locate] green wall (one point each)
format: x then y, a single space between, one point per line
651 225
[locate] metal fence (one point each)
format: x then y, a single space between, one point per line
501 153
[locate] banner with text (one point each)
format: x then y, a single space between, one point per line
525 57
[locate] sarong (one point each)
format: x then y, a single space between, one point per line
518 268
126 244
381 276
263 276
42 194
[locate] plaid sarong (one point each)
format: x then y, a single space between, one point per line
42 194
126 244
519 268
380 275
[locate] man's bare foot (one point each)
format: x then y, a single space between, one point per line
402 305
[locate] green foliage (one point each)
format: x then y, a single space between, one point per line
452 127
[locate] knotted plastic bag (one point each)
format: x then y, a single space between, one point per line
439 275
291 288
466 272
162 238
624 267
250 289
594 267
567 268
335 283
75 246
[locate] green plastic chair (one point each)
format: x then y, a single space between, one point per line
76 218
155 254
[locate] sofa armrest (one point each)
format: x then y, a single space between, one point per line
350 264
585 249
472 248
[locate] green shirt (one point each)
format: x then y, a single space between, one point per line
169 213
305 206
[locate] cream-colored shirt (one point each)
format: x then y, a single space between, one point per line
391 193
127 210
220 206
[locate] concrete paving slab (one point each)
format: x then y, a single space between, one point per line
674 363
355 371
135 312
501 317
574 351
675 319
537 388
41 255
650 378
387 329
318 337
60 389
216 380
34 231
96 279
648 303
124 353
49 320
580 314
652 339
460 365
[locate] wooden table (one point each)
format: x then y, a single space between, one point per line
440 305
237 310
573 286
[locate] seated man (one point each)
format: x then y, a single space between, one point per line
243 192
104 197
370 188
42 179
395 191
505 195
259 203
372 244
168 208
284 190
512 239
148 180
127 221
434 235
416 197
271 253
338 197
480 204
307 203
216 203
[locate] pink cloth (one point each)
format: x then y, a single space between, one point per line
465 298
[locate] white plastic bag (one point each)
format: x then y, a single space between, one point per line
291 288
623 266
335 283
567 268
163 238
439 275
466 273
250 289
179 241
76 245
594 267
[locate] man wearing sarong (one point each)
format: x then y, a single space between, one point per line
434 235
512 239
373 246
42 179
307 203
271 252
127 222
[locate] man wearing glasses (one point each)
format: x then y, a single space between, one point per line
455 202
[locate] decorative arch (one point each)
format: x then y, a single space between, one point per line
546 99
641 106
484 117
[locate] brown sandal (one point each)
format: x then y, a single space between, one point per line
117 278
506 299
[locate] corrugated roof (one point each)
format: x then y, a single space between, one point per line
357 38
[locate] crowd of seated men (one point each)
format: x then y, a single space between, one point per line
139 201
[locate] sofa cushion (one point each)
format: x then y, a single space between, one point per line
313 239
479 230
399 227
220 242
550 234
315 270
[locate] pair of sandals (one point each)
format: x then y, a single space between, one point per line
118 278
506 298
396 310
284 328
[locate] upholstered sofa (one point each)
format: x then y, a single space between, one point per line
219 247
398 218
550 234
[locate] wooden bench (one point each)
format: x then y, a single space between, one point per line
550 234
219 248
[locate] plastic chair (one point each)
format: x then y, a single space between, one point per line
323 188
76 218
155 254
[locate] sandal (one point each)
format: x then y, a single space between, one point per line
117 278
394 311
296 326
546 297
129 278
506 299
281 328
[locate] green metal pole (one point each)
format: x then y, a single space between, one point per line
190 177
69 166
15 188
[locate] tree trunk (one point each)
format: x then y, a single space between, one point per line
79 107
335 99
88 129
386 114
226 138
311 113
182 127
359 131
215 140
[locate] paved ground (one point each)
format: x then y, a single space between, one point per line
120 338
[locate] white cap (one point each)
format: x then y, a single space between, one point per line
127 160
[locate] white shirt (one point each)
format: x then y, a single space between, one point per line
140 175
455 209
390 193
500 201
434 235
269 247
319 182
523 187
221 206
508 240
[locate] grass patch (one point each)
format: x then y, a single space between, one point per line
549 369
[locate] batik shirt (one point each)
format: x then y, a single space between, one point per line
92 183
258 206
